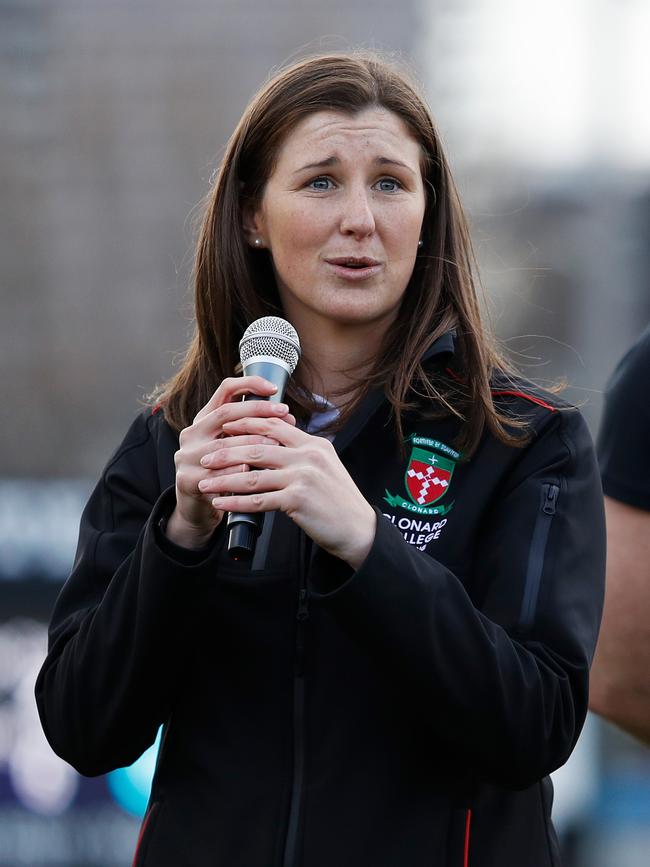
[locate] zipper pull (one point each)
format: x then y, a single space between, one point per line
550 499
303 605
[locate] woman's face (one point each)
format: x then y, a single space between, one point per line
341 216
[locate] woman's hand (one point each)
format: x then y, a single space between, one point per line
305 479
195 518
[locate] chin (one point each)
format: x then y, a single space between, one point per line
356 306
343 307
359 317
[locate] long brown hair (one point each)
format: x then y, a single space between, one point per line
234 284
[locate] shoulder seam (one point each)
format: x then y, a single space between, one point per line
127 448
119 455
569 445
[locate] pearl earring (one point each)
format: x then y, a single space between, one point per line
257 242
420 243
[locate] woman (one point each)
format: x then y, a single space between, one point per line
393 678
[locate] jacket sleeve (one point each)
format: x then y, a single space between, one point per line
502 673
120 625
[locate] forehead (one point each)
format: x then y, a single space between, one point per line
333 133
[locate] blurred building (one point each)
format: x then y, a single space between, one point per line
114 118
543 111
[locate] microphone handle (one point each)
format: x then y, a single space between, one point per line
243 529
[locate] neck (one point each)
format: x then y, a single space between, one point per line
338 356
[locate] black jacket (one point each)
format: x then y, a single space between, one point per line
403 715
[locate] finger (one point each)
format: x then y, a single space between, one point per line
277 428
194 453
236 386
267 502
256 455
190 473
188 484
244 440
229 470
190 455
212 423
244 483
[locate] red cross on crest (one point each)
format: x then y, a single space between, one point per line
427 476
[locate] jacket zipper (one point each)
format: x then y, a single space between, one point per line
548 506
302 615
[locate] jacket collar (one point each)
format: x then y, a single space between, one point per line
444 345
441 349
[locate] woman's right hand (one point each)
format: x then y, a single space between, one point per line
194 519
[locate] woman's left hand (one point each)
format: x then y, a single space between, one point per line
302 477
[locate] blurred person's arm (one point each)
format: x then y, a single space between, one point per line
620 677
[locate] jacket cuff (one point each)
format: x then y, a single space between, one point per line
328 574
160 514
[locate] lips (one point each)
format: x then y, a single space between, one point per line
353 262
354 269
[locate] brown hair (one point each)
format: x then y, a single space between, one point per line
234 285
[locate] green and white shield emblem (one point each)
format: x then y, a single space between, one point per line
427 477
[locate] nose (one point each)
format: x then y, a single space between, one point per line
357 217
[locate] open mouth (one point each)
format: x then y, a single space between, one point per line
354 263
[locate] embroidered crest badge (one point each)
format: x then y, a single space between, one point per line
427 477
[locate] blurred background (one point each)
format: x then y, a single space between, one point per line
113 119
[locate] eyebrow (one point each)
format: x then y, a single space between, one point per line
333 161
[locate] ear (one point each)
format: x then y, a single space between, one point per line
253 226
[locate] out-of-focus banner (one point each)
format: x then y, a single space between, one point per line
50 816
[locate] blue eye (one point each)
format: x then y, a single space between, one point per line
388 185
320 184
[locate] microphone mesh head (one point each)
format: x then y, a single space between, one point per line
271 337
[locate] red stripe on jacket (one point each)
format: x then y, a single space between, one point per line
529 397
468 822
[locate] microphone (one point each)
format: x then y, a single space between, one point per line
269 348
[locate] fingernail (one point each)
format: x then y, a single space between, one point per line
280 407
203 484
205 459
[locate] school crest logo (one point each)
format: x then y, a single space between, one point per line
427 478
